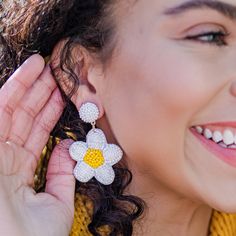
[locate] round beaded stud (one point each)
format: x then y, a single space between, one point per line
95 157
89 112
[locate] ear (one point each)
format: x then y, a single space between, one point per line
88 71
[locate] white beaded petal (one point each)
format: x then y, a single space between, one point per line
112 154
96 139
83 172
77 150
105 174
89 112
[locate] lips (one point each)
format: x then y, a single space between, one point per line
222 124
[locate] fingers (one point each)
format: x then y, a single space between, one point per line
60 180
15 88
30 105
44 123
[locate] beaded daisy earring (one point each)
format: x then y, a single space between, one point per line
95 157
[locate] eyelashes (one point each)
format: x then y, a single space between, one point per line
215 38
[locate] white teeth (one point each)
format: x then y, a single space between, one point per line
232 146
228 137
199 129
207 133
217 136
222 145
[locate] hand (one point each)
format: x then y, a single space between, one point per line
30 106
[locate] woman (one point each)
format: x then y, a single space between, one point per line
162 76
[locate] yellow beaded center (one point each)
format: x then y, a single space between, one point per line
94 158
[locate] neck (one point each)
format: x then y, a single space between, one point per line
167 213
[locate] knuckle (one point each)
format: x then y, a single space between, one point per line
46 126
23 84
28 110
8 109
45 85
16 138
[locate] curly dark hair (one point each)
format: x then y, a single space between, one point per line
29 27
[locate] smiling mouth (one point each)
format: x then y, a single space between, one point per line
224 137
219 140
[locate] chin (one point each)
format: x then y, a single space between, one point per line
223 203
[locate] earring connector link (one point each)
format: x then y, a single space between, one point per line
93 124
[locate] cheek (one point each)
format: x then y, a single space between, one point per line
149 101
177 82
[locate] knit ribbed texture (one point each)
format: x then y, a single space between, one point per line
83 212
223 224
81 218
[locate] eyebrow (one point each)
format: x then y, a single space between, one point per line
226 9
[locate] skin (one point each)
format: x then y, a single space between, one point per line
156 86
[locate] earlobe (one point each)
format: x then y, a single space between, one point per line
84 95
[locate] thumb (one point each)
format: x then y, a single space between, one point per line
60 180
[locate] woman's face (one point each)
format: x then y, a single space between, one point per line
174 69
